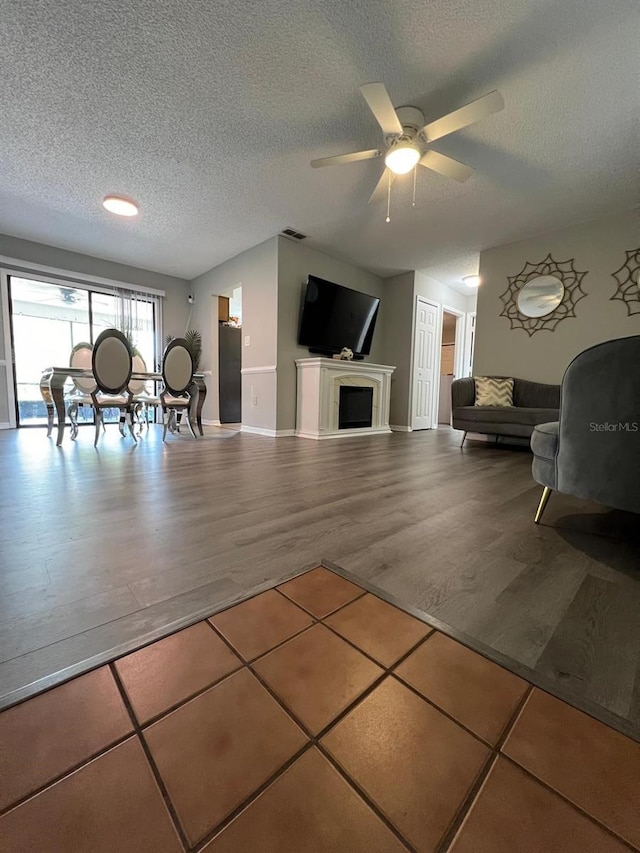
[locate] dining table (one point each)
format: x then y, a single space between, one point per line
54 379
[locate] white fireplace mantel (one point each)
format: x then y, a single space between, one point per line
318 397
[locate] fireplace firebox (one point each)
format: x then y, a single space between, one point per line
355 409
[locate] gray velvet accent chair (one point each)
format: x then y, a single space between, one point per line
593 450
111 364
177 376
533 403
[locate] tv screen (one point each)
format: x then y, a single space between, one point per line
334 317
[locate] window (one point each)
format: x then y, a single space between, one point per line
49 319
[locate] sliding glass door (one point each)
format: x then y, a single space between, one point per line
49 319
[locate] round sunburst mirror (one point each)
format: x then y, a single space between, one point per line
540 296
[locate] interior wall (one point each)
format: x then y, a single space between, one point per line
175 308
398 342
598 247
295 262
256 271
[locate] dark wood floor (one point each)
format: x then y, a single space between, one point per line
102 548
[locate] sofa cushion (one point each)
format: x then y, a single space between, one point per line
492 391
504 414
544 440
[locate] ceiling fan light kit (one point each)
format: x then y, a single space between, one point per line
407 139
402 157
471 280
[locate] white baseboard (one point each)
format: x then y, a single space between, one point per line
271 433
344 433
210 423
400 428
5 425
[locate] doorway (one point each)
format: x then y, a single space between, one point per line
451 357
230 357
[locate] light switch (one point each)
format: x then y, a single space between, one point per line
247 340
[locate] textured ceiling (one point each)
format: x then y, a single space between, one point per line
209 111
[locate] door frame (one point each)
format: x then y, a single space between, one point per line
459 343
437 342
6 356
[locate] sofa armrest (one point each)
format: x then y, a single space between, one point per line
463 392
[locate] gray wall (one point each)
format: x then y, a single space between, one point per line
295 262
598 247
175 308
398 300
434 290
256 272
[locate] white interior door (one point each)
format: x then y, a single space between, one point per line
426 365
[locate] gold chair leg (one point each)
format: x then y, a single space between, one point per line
546 494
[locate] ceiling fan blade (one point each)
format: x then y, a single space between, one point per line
339 159
376 95
469 114
382 186
446 166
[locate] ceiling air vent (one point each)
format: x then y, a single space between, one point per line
293 234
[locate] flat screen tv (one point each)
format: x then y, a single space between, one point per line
334 317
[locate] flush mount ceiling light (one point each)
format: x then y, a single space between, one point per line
402 158
119 205
471 280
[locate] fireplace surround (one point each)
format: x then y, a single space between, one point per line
327 409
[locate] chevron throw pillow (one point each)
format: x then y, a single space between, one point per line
493 392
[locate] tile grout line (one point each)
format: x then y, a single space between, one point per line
463 810
468 802
569 802
59 777
247 802
610 719
314 741
151 762
360 791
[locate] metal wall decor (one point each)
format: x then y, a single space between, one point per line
542 295
628 278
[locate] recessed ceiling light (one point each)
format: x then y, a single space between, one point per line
402 158
471 280
120 206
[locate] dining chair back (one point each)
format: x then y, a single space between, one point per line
177 376
177 367
138 386
81 357
111 362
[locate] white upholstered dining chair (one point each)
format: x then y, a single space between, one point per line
177 376
142 400
80 394
112 364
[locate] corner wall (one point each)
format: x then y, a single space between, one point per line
598 247
295 263
256 270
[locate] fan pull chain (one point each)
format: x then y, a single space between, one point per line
388 219
415 170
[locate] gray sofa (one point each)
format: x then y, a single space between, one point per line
533 403
593 450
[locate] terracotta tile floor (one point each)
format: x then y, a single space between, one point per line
311 717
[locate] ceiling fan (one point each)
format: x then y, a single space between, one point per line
407 137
